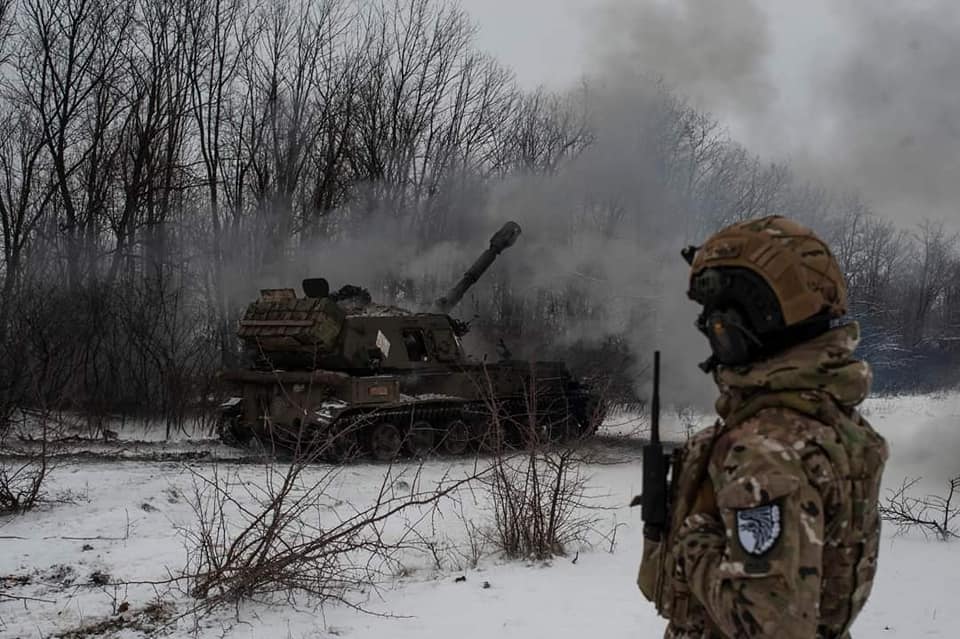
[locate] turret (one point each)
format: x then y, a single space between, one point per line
501 240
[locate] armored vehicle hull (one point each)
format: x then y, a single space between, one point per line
336 415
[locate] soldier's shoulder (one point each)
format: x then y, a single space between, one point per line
774 439
780 424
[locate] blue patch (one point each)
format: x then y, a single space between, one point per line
758 529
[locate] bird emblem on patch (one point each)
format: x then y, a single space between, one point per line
758 529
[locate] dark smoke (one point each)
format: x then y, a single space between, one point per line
865 97
712 51
895 106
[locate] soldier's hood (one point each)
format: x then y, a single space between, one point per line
824 363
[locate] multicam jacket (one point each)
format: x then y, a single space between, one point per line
774 527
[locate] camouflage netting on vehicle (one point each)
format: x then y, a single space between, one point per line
285 323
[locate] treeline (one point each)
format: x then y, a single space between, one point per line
158 159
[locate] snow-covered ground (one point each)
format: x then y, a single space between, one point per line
118 521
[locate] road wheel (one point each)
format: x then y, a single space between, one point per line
563 427
456 438
342 445
494 439
419 441
589 411
385 441
232 432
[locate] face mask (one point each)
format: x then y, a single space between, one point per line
731 340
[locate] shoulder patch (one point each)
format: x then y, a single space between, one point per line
758 529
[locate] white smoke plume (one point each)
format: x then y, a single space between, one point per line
714 52
854 94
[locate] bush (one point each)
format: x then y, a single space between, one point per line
539 502
931 514
22 478
292 539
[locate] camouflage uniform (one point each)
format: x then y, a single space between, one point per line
774 527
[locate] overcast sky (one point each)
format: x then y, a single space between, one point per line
859 93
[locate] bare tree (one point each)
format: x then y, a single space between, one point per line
931 270
70 77
219 34
544 130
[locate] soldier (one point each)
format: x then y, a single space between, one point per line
773 528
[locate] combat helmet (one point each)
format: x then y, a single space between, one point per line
764 285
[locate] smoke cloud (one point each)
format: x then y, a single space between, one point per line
629 264
855 94
894 105
713 52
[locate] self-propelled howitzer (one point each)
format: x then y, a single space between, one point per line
337 374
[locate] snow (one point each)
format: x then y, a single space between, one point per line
361 309
429 397
129 515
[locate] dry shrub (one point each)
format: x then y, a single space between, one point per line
23 475
538 496
288 534
931 514
539 503
461 550
21 484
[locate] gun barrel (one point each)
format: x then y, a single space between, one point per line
501 241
